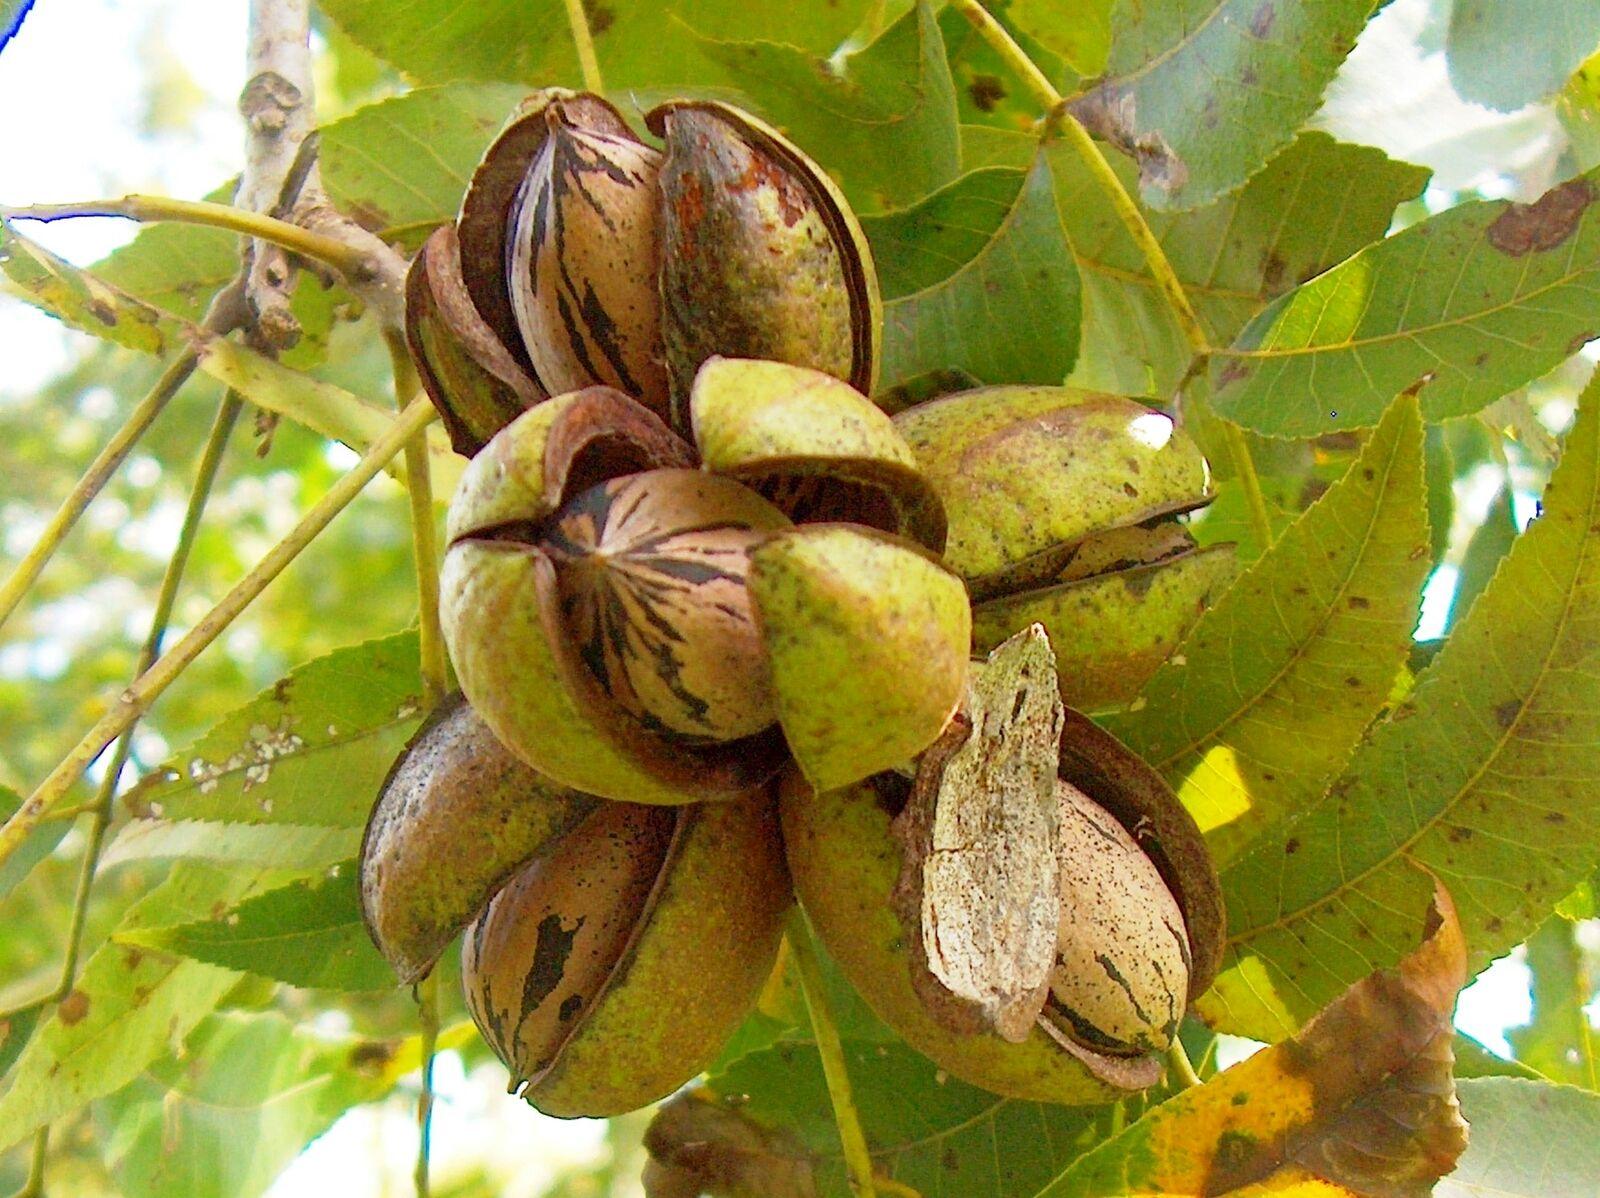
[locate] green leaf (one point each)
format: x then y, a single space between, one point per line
401 166
917 248
1204 92
308 933
884 125
1007 313
987 90
935 1134
311 750
1529 1140
638 45
250 1092
1462 307
274 846
41 842
1490 543
1485 775
1440 471
128 1008
84 302
1078 30
1314 205
1558 1040
1474 1060
1263 702
16 1029
1507 53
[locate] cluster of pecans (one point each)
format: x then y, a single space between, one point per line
714 615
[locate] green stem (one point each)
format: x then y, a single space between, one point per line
1182 1071
583 40
857 1159
343 258
94 479
1059 119
134 701
37 1157
428 1013
102 808
424 533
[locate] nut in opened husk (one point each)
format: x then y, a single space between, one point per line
988 911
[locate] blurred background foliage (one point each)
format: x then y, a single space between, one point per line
72 644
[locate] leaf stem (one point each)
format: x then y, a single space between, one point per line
341 257
94 479
428 1012
134 701
583 40
853 1140
1182 1070
1059 119
1015 57
102 807
424 532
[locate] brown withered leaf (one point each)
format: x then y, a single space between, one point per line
1360 1102
979 891
697 1146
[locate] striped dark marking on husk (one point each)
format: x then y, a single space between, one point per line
582 256
652 576
542 952
469 374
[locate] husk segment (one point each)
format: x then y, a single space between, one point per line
659 1008
453 785
501 611
761 255
812 444
468 373
867 636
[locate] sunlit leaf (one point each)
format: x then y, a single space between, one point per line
249 1093
41 842
1462 307
91 305
1203 92
1485 774
1264 701
1314 205
1529 1140
884 124
1078 30
1551 38
308 933
639 45
1007 311
1359 1103
129 1007
400 166
310 751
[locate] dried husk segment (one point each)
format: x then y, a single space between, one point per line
1036 931
658 926
453 785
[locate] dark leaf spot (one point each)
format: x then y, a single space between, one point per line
73 1007
1505 714
1261 23
986 91
1544 224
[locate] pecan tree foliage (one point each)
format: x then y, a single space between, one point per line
889 625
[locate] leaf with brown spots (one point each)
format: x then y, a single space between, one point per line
924 1129
1462 308
1360 1103
1202 93
1263 703
1486 774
